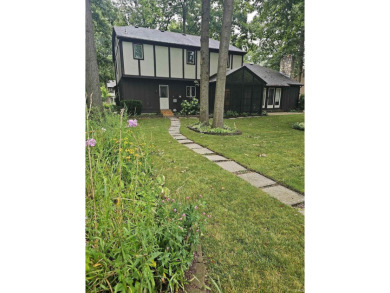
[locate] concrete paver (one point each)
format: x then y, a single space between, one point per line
202 151
256 179
193 146
179 137
216 158
231 166
185 141
284 194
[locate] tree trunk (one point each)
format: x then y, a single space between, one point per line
204 63
92 87
222 62
184 16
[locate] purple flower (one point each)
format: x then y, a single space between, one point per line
183 215
90 142
187 197
196 207
133 123
163 201
203 213
174 210
181 219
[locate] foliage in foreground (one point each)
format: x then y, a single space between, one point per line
137 238
299 125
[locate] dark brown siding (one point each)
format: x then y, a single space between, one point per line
290 96
147 91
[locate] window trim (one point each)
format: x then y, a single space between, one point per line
142 46
187 51
191 96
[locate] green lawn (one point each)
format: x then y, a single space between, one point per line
270 135
252 243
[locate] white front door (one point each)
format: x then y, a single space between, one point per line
164 97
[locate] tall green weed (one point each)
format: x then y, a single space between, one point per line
138 239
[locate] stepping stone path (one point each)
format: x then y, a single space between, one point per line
274 189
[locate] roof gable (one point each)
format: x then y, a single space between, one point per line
271 77
153 35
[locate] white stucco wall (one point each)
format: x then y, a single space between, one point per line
147 65
130 64
213 63
162 65
189 69
237 61
176 63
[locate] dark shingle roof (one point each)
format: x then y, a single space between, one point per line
147 34
271 77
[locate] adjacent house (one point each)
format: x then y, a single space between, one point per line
111 85
162 69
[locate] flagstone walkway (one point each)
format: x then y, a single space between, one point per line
274 189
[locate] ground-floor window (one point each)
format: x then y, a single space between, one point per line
273 98
190 91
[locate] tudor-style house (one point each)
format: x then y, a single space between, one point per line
162 68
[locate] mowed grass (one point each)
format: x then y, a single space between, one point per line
252 242
271 136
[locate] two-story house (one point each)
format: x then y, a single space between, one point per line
162 68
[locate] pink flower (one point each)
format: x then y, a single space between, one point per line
187 197
163 201
168 199
196 207
180 219
90 142
133 123
167 248
197 230
209 216
200 195
183 215
203 213
174 210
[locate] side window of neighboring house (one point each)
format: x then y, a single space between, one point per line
191 57
138 51
190 91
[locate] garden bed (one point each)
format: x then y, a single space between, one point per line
214 131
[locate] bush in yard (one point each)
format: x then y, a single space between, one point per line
133 107
301 102
138 239
190 108
264 113
231 113
244 114
299 125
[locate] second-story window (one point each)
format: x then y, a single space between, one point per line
191 57
138 51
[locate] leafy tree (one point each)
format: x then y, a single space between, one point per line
278 29
222 60
105 15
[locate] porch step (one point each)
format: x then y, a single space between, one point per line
167 113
